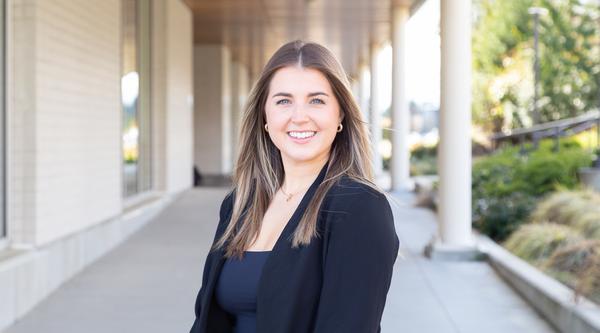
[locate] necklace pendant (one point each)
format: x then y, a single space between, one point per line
288 198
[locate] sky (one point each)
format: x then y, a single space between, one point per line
422 61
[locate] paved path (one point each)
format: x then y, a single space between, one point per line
149 283
438 296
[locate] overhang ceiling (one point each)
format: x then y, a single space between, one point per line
254 29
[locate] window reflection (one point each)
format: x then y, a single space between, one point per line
130 98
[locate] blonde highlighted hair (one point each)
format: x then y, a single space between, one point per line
259 172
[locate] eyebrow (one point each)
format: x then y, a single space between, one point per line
284 94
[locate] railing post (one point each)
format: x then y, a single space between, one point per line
556 139
598 132
522 151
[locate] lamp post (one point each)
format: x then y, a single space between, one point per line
598 87
536 12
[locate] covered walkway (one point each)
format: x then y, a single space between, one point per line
149 283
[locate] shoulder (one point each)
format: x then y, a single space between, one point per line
357 205
358 213
350 194
227 205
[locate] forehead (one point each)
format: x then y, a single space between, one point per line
294 79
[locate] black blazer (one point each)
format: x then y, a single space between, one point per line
338 283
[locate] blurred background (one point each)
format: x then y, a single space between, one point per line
119 124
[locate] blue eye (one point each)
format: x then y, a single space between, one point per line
318 99
279 102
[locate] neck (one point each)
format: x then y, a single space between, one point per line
299 176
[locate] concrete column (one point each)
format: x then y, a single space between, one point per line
400 163
212 110
355 85
454 239
226 129
375 111
364 92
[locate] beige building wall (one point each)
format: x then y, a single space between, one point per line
65 118
65 205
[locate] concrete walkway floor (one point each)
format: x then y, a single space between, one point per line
149 283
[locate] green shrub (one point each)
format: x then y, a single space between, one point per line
493 176
563 239
423 160
552 208
579 209
545 170
424 152
507 184
537 242
498 217
589 223
541 174
578 266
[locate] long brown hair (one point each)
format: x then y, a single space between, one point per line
259 170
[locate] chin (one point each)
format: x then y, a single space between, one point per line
301 158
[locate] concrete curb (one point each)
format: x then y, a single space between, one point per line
553 300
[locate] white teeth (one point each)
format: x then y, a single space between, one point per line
301 135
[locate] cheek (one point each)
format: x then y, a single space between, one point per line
329 120
277 126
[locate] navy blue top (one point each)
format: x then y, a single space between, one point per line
237 287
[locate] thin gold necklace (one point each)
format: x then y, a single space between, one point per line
289 196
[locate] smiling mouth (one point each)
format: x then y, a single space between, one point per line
301 135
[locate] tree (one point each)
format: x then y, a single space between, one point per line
503 61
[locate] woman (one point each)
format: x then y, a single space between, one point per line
306 241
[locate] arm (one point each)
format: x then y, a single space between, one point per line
361 250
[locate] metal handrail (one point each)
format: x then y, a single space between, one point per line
555 129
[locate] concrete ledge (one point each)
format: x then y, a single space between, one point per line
553 300
437 251
27 276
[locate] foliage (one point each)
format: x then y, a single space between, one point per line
578 266
569 48
423 160
561 252
506 185
577 209
537 242
499 216
563 239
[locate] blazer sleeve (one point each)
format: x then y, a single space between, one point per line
224 213
361 249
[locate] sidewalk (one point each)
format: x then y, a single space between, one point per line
149 283
438 296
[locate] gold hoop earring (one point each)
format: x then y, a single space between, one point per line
267 127
340 126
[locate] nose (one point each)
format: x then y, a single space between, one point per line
299 114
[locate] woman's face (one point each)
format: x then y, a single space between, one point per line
302 114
